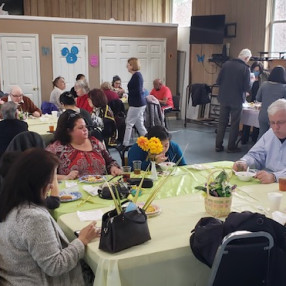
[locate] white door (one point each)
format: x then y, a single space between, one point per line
69 57
114 53
20 64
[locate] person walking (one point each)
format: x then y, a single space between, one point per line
136 101
234 82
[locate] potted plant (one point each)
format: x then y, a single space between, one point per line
218 194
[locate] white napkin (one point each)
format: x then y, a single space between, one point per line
92 190
70 184
90 215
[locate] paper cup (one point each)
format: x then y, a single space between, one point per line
55 114
274 200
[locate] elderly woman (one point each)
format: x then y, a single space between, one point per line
82 89
79 152
33 249
102 116
171 150
10 126
59 85
80 76
107 89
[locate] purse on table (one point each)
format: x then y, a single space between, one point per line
122 231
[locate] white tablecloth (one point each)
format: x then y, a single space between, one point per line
249 116
167 258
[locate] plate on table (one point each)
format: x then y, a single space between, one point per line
152 210
91 179
69 196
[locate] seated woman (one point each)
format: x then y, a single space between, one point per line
107 89
68 103
33 249
171 151
52 201
82 89
102 116
116 85
10 126
79 152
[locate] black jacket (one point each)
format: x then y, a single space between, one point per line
234 82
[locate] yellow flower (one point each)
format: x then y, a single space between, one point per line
155 145
143 143
152 146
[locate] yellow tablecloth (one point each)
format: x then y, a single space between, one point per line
183 182
167 258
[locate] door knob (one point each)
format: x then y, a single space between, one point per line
35 88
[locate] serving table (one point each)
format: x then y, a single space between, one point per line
249 115
167 258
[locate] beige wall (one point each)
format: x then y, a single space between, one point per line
93 30
250 17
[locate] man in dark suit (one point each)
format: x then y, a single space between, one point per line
234 82
10 126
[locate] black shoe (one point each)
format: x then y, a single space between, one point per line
235 150
219 149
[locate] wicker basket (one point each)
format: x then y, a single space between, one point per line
217 206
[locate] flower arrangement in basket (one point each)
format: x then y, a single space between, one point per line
218 194
153 147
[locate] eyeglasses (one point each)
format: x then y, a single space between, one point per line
278 123
16 95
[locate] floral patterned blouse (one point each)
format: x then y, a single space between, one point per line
95 162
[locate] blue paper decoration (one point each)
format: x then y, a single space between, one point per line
71 56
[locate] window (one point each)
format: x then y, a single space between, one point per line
278 39
181 14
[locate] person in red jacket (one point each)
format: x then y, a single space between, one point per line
81 88
163 94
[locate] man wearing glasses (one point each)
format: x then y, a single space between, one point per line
269 154
25 104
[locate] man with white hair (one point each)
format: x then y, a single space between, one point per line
234 82
269 153
24 103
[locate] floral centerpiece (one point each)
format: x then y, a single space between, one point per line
153 147
218 194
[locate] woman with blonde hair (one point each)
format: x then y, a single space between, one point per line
107 89
136 101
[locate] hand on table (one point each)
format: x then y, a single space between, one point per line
72 175
36 114
265 177
115 171
88 233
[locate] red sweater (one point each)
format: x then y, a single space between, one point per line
82 102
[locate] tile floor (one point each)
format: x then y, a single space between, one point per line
197 141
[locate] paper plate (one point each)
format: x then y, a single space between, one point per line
152 210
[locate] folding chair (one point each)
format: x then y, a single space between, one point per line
243 259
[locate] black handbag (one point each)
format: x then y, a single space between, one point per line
122 231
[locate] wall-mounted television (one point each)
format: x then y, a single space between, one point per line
207 29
